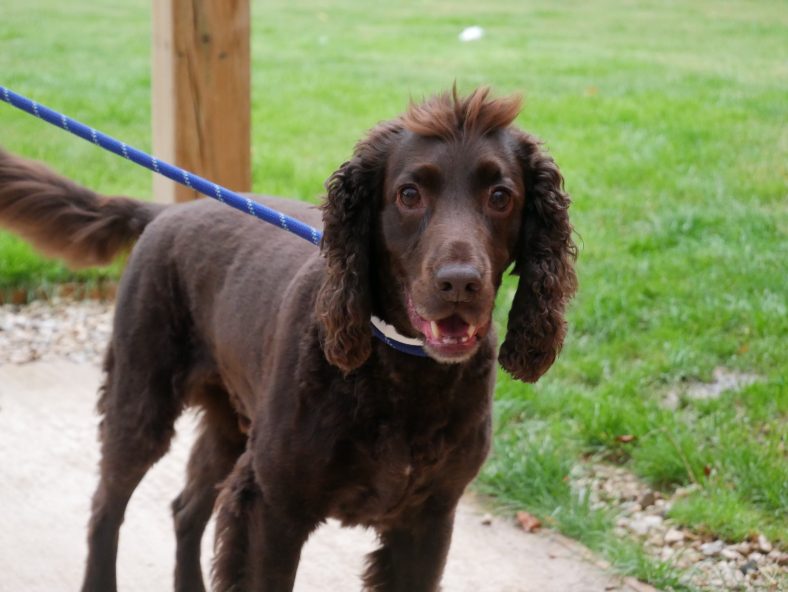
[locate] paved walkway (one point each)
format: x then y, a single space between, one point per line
48 458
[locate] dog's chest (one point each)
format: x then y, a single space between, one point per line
393 443
399 461
390 476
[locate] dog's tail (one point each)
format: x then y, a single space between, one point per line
66 221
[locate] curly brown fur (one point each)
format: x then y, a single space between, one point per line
450 117
271 339
344 302
545 265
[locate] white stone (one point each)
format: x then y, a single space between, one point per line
730 554
712 549
641 525
755 556
744 548
763 544
673 536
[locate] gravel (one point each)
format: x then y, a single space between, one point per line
706 563
77 331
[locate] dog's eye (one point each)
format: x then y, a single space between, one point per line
499 200
409 197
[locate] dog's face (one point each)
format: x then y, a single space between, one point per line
450 217
421 224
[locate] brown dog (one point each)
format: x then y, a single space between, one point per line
306 415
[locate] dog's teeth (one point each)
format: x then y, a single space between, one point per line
436 332
471 331
464 339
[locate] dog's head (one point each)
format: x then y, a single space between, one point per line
421 224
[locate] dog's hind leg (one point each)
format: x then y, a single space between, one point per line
213 455
142 398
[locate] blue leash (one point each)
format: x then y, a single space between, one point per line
191 180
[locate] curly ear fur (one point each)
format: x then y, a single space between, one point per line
344 302
545 264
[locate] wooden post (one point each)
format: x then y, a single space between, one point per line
201 92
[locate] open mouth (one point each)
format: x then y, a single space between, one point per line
451 336
449 331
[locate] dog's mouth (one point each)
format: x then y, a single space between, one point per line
451 338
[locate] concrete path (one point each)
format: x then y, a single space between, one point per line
48 458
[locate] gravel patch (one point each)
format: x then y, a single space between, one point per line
707 564
60 329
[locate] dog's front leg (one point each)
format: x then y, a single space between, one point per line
411 557
258 544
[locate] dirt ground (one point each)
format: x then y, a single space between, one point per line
48 458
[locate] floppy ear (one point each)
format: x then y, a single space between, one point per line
344 304
545 264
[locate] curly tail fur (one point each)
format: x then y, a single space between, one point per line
66 221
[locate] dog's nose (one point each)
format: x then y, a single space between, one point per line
458 282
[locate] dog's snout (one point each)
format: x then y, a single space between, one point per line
458 282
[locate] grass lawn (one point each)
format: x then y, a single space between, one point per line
669 122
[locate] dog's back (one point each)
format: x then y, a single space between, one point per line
198 252
220 279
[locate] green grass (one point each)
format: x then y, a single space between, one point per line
668 121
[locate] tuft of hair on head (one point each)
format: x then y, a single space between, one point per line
448 116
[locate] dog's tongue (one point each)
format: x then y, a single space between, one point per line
452 326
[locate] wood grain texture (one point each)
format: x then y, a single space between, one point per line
201 92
